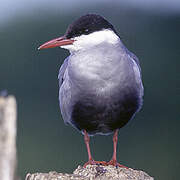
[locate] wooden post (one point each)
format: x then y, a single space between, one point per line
7 137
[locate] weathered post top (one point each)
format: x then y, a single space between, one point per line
7 137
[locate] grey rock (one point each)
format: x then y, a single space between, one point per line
93 172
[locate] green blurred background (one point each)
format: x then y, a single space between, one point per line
152 31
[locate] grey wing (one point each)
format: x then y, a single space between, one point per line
64 93
137 70
62 71
134 57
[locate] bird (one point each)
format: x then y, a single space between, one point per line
100 82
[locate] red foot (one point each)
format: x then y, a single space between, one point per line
92 162
115 163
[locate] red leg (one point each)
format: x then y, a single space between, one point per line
87 140
90 161
113 161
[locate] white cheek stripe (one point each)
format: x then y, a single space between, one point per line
92 40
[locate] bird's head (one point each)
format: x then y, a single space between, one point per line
89 31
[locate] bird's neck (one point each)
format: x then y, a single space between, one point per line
105 49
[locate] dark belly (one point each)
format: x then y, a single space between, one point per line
105 117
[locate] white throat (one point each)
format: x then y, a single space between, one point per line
93 40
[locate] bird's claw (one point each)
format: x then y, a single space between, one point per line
93 162
115 163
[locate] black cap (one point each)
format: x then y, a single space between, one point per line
87 24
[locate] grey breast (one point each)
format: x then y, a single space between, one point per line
98 102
